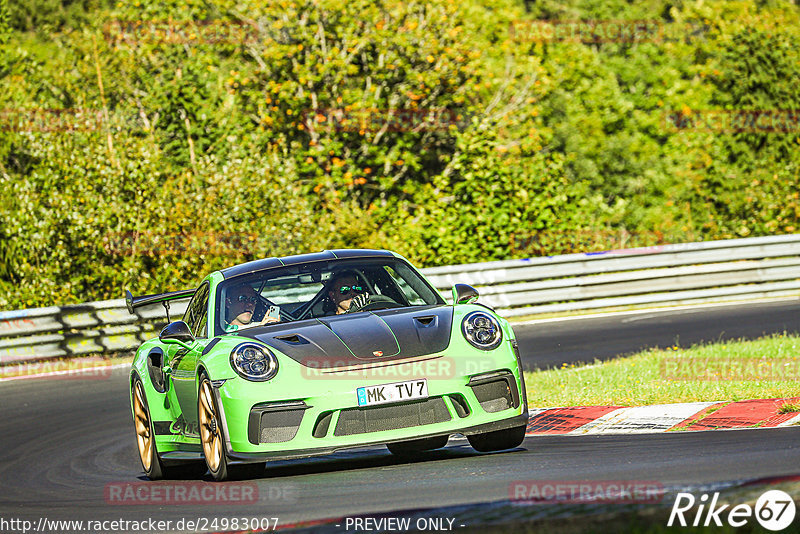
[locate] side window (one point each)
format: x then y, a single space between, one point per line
202 325
187 315
413 298
196 316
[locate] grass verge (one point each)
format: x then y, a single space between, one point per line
764 368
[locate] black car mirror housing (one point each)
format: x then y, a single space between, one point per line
464 294
178 333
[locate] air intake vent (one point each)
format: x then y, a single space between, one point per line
363 420
279 427
322 424
496 393
460 404
426 321
293 339
275 423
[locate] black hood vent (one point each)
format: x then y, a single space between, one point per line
293 339
342 341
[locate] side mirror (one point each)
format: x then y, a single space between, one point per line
464 294
177 332
129 301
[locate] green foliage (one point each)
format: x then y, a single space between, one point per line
27 15
744 181
483 200
7 257
144 145
5 22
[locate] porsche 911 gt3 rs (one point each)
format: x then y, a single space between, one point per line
306 355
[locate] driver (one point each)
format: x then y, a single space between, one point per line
346 293
239 307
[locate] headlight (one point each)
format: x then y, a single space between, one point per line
254 362
482 330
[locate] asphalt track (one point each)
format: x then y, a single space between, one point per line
64 442
549 344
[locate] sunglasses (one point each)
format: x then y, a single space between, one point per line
245 298
344 290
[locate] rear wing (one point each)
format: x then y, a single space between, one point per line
164 298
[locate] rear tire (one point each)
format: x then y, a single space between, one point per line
499 440
153 465
406 448
145 436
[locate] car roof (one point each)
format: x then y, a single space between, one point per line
325 255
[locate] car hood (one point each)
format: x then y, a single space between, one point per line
358 338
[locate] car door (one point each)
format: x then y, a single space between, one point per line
184 361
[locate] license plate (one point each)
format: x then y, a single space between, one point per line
395 392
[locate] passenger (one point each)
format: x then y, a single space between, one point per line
240 305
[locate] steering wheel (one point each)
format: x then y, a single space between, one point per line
377 302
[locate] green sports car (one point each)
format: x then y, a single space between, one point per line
310 354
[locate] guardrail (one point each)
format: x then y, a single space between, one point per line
668 274
90 328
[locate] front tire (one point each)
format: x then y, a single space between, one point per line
211 435
212 438
499 440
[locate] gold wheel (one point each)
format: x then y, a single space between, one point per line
210 433
141 420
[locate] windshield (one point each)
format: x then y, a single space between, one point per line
319 289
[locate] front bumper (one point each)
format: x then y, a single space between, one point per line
503 424
329 420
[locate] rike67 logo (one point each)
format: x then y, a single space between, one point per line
774 510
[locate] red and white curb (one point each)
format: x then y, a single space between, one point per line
581 420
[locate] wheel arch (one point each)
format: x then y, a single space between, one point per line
156 401
202 369
131 381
